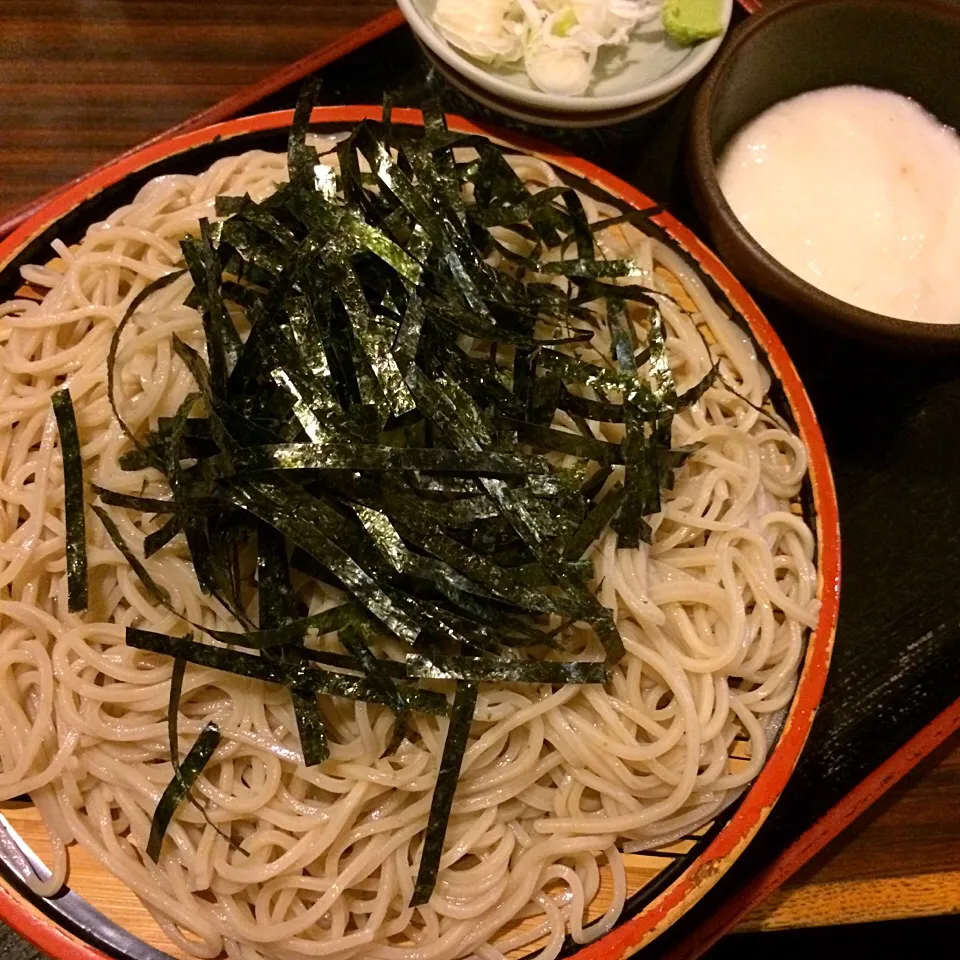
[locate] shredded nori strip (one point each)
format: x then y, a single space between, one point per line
151 585
173 712
489 670
292 631
295 672
135 305
464 704
315 456
278 610
74 522
313 735
408 422
178 789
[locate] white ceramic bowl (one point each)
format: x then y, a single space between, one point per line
627 82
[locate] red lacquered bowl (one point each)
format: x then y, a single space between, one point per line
98 916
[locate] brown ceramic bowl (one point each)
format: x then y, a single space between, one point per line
909 46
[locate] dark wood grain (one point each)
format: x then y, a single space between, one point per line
899 860
916 826
83 80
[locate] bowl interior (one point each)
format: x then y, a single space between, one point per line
908 46
649 66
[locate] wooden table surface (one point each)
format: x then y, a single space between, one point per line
82 80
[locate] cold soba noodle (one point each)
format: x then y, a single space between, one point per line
555 780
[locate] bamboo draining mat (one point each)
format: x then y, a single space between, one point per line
112 898
918 825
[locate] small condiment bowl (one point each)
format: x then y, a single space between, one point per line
630 81
909 46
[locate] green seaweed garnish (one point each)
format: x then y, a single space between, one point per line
178 789
173 713
151 288
278 611
438 436
152 587
74 522
293 672
490 670
464 704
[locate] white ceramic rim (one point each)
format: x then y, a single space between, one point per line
700 57
519 111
